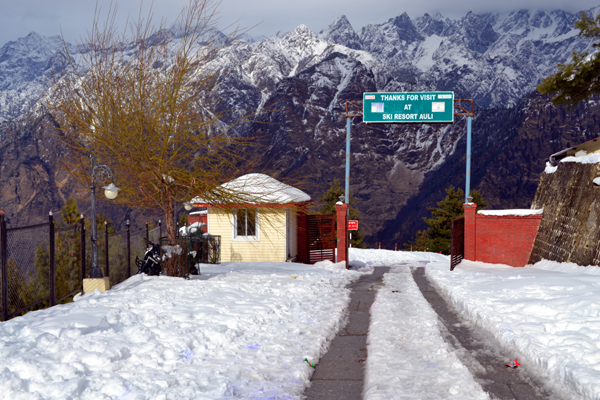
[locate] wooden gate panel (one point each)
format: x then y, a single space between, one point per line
457 247
321 238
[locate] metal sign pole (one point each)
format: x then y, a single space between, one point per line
468 177
348 136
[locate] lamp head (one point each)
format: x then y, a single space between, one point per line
111 191
187 206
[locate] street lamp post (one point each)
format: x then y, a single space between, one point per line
100 174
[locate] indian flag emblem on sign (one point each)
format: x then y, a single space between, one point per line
376 107
438 107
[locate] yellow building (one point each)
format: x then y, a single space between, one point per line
264 226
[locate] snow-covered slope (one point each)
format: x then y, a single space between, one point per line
24 66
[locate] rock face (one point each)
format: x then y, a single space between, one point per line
569 229
300 81
35 182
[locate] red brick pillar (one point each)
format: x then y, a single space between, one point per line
470 231
341 210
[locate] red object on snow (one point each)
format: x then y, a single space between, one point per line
513 364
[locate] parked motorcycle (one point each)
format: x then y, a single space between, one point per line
150 265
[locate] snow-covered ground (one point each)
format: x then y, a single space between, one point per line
243 330
242 334
547 313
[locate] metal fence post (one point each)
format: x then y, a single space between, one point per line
147 233
159 239
82 246
128 250
106 248
4 265
52 246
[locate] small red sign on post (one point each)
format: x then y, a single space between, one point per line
352 225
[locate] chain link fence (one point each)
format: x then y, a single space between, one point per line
28 268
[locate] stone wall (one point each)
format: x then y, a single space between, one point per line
569 230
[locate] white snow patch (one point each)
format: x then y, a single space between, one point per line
515 212
549 168
589 159
426 50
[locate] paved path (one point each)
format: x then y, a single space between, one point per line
339 373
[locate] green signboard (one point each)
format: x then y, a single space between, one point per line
409 107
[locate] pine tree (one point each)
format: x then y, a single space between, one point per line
329 199
438 235
579 79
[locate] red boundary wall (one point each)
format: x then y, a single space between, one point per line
506 239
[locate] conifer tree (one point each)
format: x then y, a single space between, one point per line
580 79
329 199
438 235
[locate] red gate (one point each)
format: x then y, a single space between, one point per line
457 247
321 238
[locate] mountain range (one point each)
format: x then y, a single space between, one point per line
397 171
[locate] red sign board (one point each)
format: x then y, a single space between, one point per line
352 225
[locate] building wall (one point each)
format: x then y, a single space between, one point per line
505 239
570 229
271 245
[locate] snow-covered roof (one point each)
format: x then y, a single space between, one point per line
262 189
580 154
516 212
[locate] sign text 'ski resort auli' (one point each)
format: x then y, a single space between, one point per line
415 107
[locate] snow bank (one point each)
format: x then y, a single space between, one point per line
243 334
570 268
376 258
408 358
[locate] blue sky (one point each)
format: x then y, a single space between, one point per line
48 17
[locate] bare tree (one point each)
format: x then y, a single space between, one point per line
142 101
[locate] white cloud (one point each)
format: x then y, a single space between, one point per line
18 18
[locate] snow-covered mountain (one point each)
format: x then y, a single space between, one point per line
492 58
24 66
495 59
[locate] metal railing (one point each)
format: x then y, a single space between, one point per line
43 265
